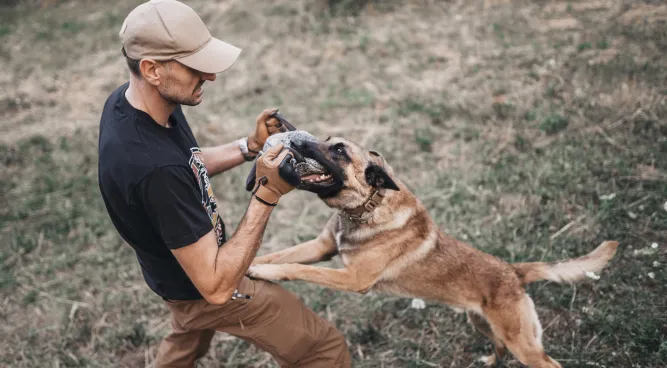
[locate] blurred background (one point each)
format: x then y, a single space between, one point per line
534 130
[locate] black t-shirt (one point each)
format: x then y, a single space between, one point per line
157 191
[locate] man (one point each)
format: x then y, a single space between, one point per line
155 183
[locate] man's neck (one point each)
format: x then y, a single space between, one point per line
145 97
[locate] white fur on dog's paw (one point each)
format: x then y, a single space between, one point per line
266 272
418 304
489 360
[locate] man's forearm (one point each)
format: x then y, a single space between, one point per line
222 158
235 256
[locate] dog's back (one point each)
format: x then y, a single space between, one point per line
422 261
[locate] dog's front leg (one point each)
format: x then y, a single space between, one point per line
319 249
312 251
342 279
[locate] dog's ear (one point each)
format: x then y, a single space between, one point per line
376 157
377 177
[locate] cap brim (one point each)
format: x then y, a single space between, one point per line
217 56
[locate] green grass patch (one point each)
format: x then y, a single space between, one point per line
424 139
602 44
73 26
530 115
436 112
554 123
467 134
584 46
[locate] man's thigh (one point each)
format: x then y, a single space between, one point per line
180 349
278 322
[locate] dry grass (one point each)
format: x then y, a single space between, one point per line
512 120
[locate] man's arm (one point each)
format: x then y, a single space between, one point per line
222 158
216 272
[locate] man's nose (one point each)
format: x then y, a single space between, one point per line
208 76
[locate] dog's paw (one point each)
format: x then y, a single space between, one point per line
489 360
266 272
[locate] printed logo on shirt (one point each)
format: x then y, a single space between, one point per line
208 199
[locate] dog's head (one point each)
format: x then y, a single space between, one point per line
349 174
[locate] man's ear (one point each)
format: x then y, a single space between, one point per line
377 177
150 71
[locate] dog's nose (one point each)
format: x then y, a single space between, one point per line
301 141
297 144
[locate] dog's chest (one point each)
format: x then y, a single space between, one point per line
346 245
343 243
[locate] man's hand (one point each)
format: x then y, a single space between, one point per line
265 127
270 185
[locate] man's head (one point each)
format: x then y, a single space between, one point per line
167 45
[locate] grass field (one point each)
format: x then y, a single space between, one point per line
532 129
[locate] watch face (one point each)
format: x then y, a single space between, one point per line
243 145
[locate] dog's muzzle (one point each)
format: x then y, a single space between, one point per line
290 140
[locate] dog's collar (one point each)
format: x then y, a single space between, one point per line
364 212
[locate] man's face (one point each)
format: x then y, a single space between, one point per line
182 84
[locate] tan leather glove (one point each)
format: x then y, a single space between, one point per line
270 186
265 127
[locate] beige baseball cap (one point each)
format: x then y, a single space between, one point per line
170 30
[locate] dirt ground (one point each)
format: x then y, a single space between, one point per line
532 129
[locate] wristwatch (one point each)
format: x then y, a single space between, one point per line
243 145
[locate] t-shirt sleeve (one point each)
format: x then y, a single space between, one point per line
172 200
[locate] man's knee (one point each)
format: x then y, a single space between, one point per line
336 338
313 341
330 351
339 346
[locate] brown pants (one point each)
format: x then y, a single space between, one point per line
273 319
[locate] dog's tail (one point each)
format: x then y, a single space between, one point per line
570 270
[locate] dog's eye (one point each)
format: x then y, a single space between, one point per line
339 148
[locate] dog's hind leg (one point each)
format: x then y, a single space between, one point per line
517 326
493 360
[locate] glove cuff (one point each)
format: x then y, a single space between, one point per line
265 195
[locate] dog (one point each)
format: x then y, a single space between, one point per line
389 243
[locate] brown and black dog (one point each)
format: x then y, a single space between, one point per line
389 243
